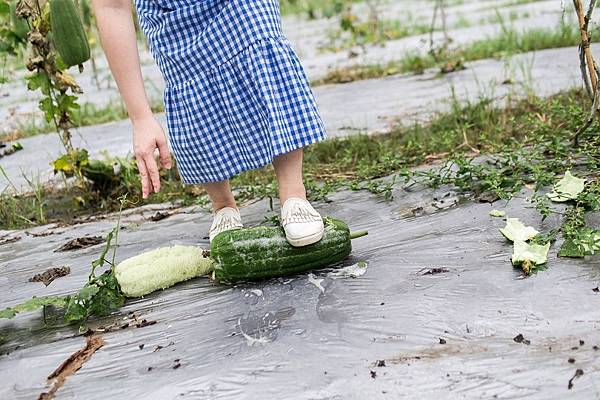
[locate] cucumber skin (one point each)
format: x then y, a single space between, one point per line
263 252
68 33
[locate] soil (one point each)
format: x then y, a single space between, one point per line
81 243
49 275
521 339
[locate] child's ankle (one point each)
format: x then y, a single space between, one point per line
220 206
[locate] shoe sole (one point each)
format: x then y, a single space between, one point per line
306 240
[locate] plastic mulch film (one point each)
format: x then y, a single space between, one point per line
438 313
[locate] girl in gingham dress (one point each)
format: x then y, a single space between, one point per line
236 98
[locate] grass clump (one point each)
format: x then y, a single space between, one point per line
88 114
526 143
509 41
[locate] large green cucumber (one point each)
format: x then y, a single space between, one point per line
263 252
68 32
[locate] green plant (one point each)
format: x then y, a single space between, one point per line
98 297
49 75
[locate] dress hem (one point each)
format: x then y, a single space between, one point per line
261 164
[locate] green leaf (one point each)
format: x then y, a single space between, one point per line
571 249
75 311
497 213
534 254
515 230
568 188
8 313
4 9
585 241
33 304
87 292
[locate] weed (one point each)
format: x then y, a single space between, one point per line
525 143
506 43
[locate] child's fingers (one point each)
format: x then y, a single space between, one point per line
143 177
165 155
152 172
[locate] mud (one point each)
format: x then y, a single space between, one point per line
80 243
49 275
287 338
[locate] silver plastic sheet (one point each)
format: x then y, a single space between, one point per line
433 317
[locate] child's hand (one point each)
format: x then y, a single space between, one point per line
148 136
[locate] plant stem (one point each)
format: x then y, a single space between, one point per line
356 235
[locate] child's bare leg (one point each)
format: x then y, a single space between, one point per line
288 168
301 222
220 195
227 216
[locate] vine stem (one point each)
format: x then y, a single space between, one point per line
356 235
586 59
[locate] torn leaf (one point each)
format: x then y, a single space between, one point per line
568 188
351 271
515 230
317 282
497 213
528 256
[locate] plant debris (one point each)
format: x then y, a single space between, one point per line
351 271
71 365
488 197
497 213
568 188
521 339
317 282
80 243
49 275
33 304
529 256
159 216
578 373
11 150
10 240
433 271
516 230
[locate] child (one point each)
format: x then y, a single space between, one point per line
236 98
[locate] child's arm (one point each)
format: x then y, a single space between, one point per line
117 35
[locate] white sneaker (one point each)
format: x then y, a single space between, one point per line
302 224
225 219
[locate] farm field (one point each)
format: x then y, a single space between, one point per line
447 121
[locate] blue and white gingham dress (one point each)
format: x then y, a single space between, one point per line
236 95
